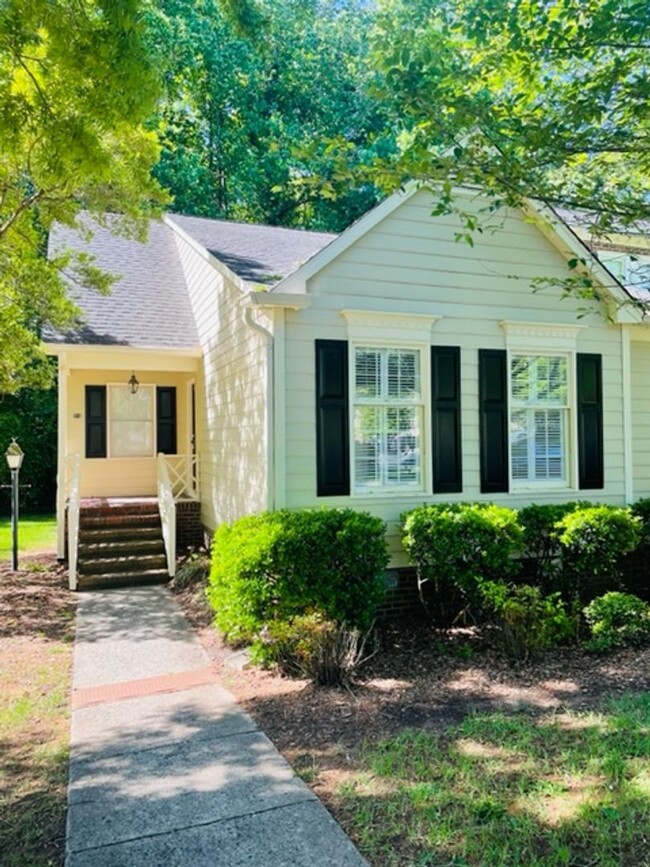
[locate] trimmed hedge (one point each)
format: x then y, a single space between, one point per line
282 564
617 620
593 542
462 545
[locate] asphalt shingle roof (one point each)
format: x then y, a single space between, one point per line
148 305
257 254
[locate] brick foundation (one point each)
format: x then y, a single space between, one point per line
402 596
189 530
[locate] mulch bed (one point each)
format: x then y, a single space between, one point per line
421 678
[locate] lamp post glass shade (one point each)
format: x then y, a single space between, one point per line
133 383
14 456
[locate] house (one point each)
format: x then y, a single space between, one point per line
379 369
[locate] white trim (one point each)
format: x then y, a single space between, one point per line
570 480
280 411
424 405
296 282
62 450
119 349
389 328
628 457
293 300
540 338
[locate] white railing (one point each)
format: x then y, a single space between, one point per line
73 480
183 472
167 509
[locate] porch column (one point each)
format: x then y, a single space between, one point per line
61 459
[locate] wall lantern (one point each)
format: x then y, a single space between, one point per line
133 383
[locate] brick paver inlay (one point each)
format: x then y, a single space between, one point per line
144 686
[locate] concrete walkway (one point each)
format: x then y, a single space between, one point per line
166 770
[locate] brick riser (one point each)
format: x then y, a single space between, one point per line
120 546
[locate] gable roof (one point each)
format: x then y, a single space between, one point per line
148 305
550 221
257 254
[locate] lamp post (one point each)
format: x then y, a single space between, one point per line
14 455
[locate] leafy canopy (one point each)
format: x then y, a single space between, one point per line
77 83
268 127
543 98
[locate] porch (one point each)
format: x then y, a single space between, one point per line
129 541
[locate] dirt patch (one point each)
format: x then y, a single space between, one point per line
421 678
36 635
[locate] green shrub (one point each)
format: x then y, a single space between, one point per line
462 545
312 647
617 620
278 565
527 620
541 545
593 542
641 509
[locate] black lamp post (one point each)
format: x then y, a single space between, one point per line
14 455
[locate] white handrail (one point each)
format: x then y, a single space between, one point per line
74 505
167 509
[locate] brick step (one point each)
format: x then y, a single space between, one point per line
145 520
122 579
131 546
124 507
110 565
97 535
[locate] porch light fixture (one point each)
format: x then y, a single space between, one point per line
133 383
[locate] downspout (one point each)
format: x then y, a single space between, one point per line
269 469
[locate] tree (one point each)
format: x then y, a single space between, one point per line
77 83
541 98
249 127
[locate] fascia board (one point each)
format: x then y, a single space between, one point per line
297 281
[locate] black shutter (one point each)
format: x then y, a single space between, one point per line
493 407
445 411
95 421
590 420
332 428
166 420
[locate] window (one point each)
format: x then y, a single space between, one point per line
387 419
539 407
131 422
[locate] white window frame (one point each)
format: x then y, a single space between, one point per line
423 405
546 339
567 408
391 330
154 420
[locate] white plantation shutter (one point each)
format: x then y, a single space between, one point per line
538 418
387 418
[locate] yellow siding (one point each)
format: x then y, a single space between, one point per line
120 477
232 405
410 263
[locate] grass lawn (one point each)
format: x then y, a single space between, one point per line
36 533
509 790
36 632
